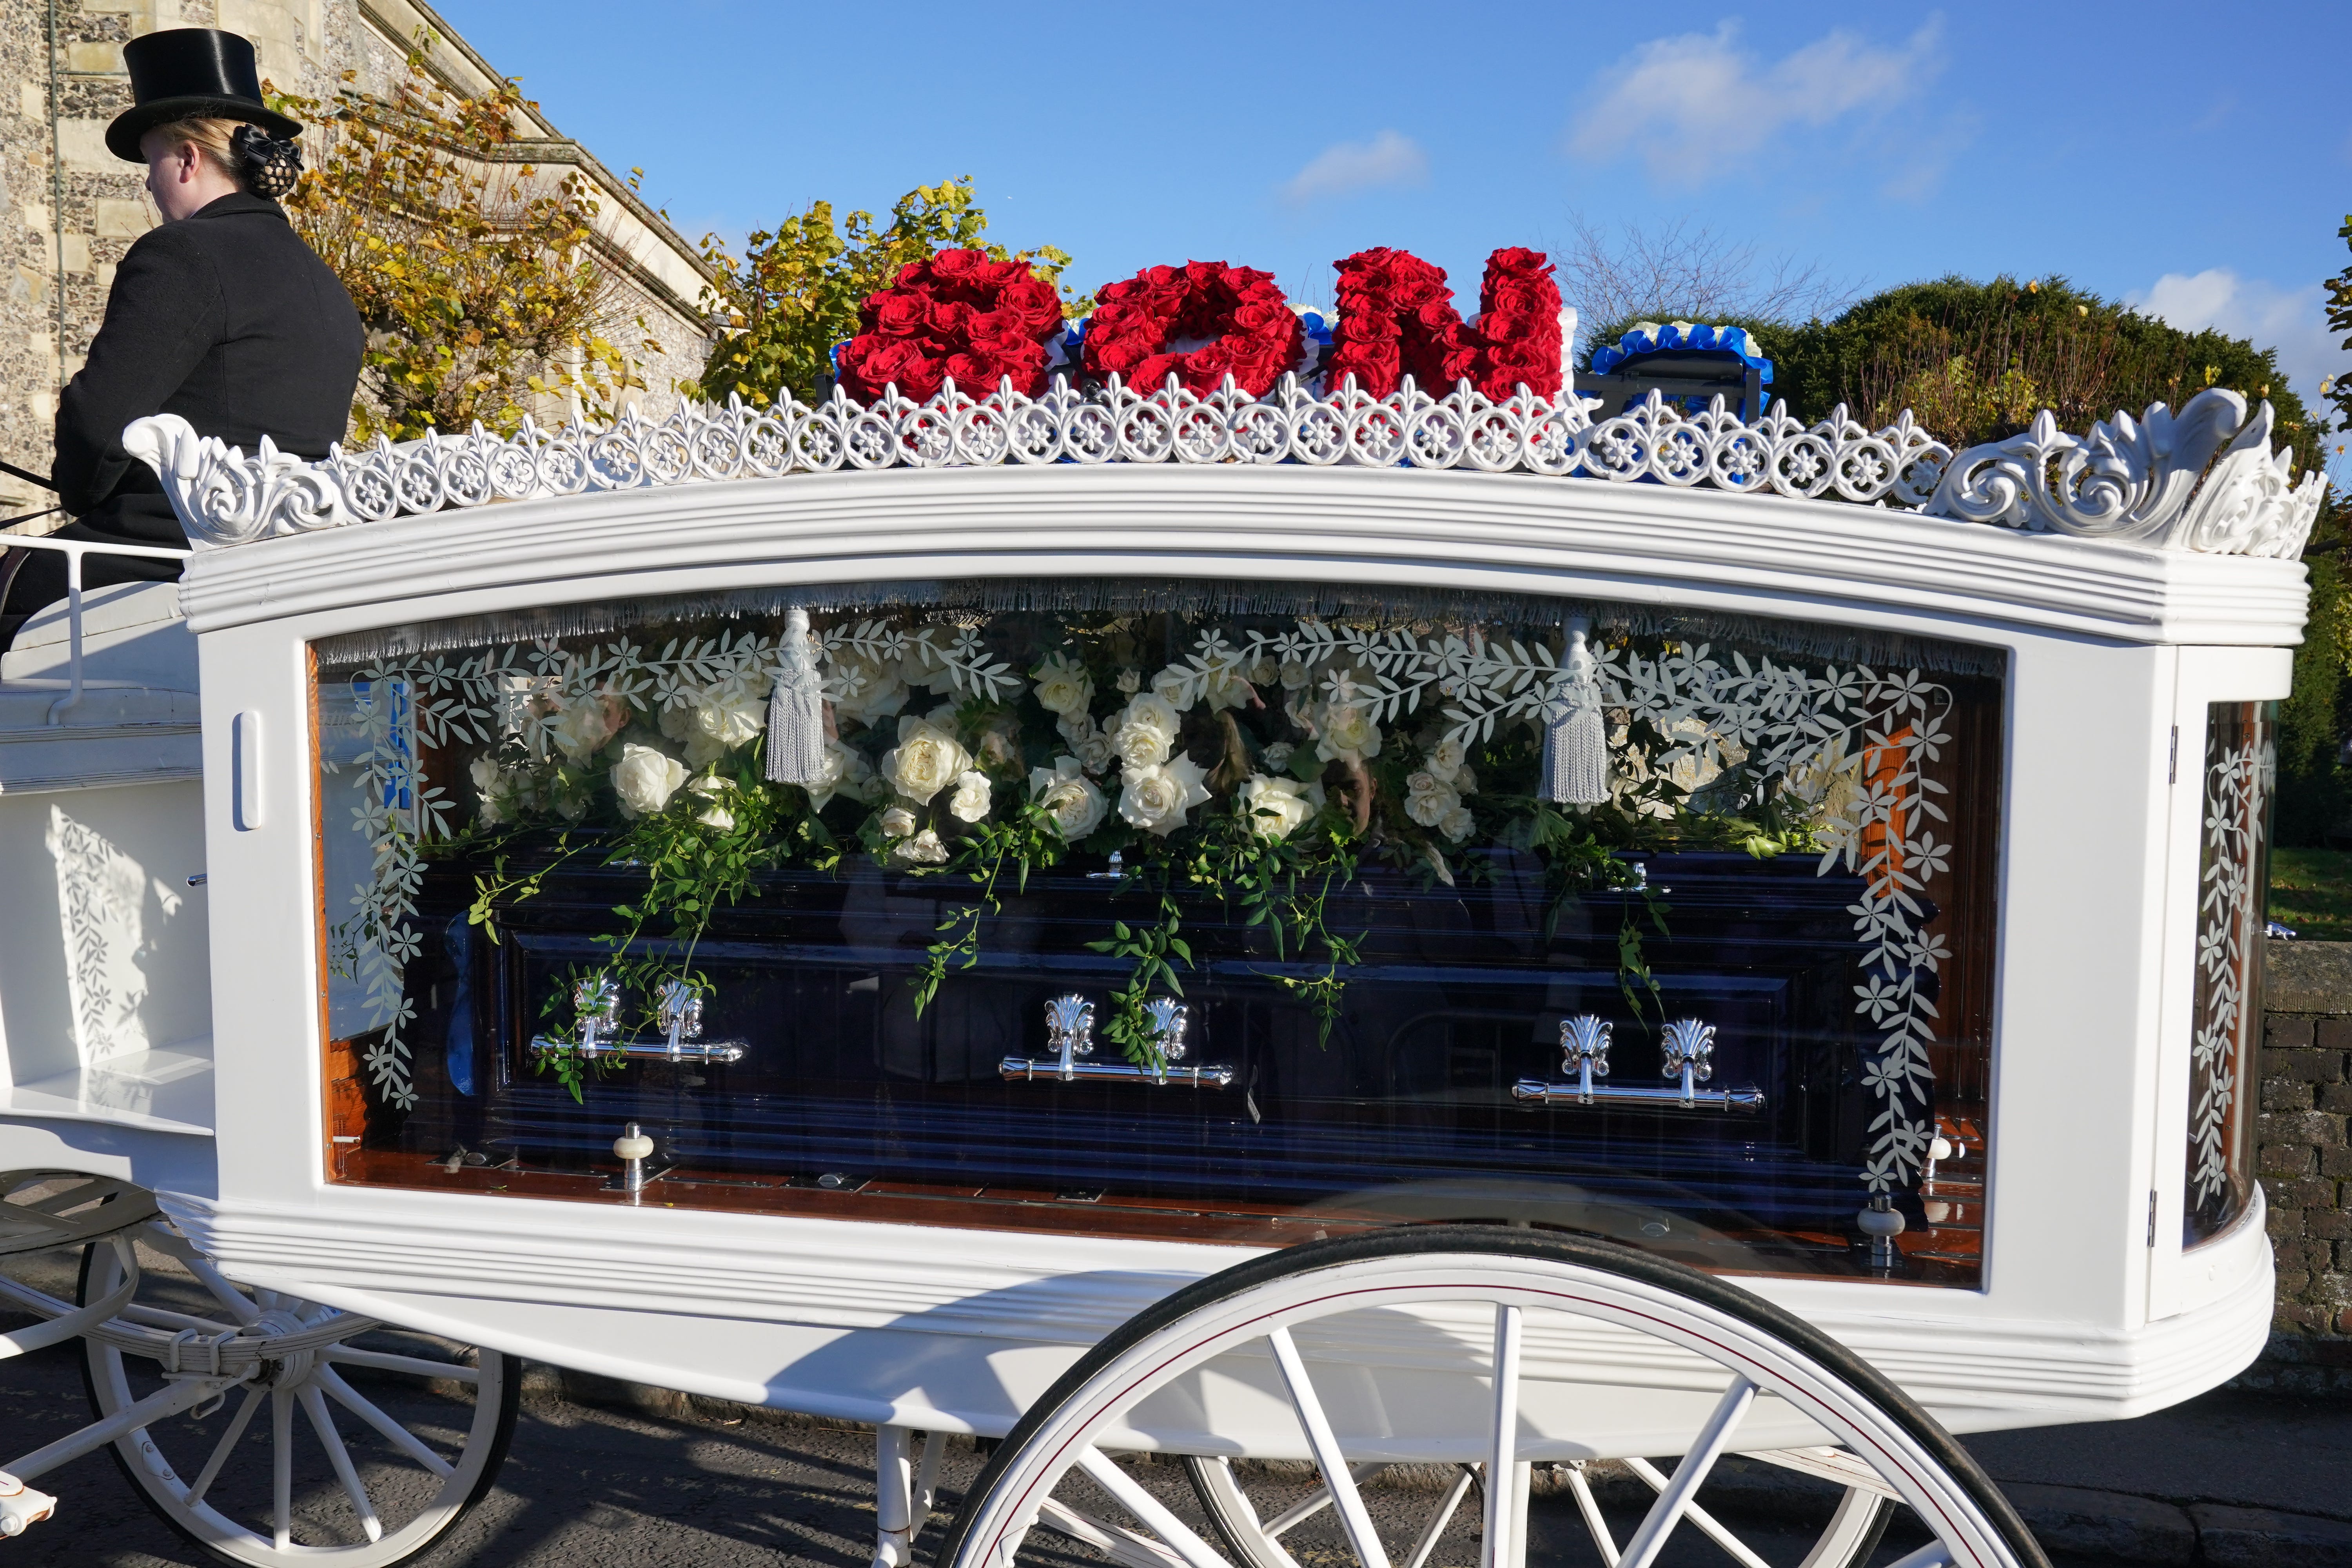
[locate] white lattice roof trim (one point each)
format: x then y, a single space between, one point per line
2204 479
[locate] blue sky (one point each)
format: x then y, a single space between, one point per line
2197 160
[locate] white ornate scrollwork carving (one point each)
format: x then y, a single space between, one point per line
2136 480
2144 480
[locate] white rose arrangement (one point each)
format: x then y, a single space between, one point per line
1069 797
927 758
645 778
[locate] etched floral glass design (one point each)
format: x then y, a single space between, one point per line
2232 881
1315 817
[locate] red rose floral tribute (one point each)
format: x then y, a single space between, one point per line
1397 318
1201 323
958 316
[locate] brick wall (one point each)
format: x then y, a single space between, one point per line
2304 1160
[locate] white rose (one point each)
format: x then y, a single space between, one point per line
1465 781
1266 672
1170 686
588 722
1156 798
897 822
678 722
1223 687
644 779
924 849
924 665
1277 756
730 715
878 692
1428 798
970 802
839 770
490 785
715 815
1063 687
1293 674
1458 824
1069 797
926 759
1130 682
1446 760
1348 734
1140 745
1095 755
1275 809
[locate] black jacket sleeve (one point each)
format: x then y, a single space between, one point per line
163 314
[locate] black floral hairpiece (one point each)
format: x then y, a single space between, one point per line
269 166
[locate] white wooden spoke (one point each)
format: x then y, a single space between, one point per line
281 1468
224 1291
1440 1518
1116 1542
1708 1523
1831 1465
1173 1532
399 1436
236 1425
1319 1499
1497 1550
1354 1518
314 1406
1667 1510
381 1360
1590 1507
1934 1554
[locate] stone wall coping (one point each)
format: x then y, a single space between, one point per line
2308 977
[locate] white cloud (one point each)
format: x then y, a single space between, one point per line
2292 320
1696 106
1343 168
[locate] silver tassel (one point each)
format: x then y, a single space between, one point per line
1576 741
796 708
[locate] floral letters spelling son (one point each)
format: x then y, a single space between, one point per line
963 316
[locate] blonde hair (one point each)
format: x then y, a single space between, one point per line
211 138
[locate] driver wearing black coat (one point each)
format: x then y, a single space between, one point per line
221 315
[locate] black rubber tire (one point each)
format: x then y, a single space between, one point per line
1717 1293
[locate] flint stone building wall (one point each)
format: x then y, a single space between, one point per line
304 46
2305 1159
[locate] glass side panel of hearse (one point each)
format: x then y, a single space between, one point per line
1203 910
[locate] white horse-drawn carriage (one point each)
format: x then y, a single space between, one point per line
1363 933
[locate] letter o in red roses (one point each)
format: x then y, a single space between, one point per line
1234 319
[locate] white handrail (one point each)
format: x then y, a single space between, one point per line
73 550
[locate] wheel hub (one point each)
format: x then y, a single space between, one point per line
293 1369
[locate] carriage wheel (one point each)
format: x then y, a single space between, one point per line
1688 1362
360 1453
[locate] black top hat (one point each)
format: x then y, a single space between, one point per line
191 71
